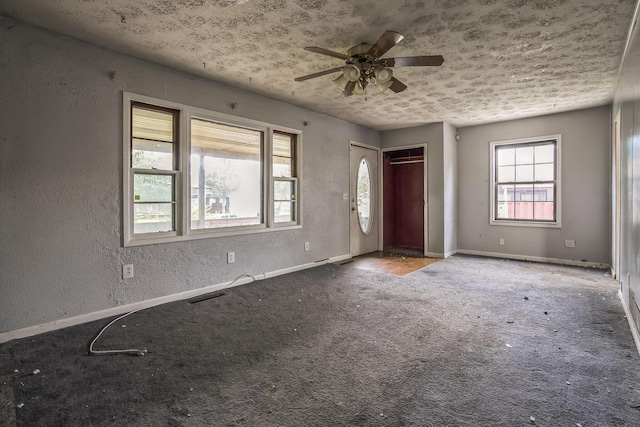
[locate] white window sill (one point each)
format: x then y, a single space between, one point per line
538 224
204 234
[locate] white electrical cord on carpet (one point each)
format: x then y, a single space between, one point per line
136 351
239 277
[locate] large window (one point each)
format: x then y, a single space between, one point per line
525 182
191 173
226 175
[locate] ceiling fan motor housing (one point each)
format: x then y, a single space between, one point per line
369 68
359 50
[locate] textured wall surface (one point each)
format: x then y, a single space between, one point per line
504 59
585 188
627 102
61 175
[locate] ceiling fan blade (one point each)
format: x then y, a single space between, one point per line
386 41
397 85
327 52
414 61
348 90
318 74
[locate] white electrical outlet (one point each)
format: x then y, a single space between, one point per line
569 243
231 257
501 242
306 246
127 271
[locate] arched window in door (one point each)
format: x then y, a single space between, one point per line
364 196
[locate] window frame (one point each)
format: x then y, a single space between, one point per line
183 231
223 119
557 139
293 179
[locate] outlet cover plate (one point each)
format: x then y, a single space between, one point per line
127 271
231 257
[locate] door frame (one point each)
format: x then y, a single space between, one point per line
425 195
617 200
378 190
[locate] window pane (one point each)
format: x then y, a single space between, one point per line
505 210
225 141
226 175
283 154
524 155
153 217
364 196
506 173
283 211
151 154
505 193
543 211
283 190
523 202
544 192
506 156
152 124
282 145
153 188
282 167
544 172
524 173
545 153
523 193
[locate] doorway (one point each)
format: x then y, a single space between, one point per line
404 201
617 207
364 221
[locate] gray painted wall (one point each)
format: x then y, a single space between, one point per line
450 172
61 177
627 101
585 188
432 135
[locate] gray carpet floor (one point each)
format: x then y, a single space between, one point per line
463 342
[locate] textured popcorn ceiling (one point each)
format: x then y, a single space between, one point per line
504 59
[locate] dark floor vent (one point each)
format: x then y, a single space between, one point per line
206 297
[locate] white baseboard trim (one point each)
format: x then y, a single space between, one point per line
535 258
338 258
115 311
305 266
448 254
434 255
632 325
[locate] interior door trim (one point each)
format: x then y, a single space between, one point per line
426 192
378 188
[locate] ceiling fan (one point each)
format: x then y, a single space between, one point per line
364 66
